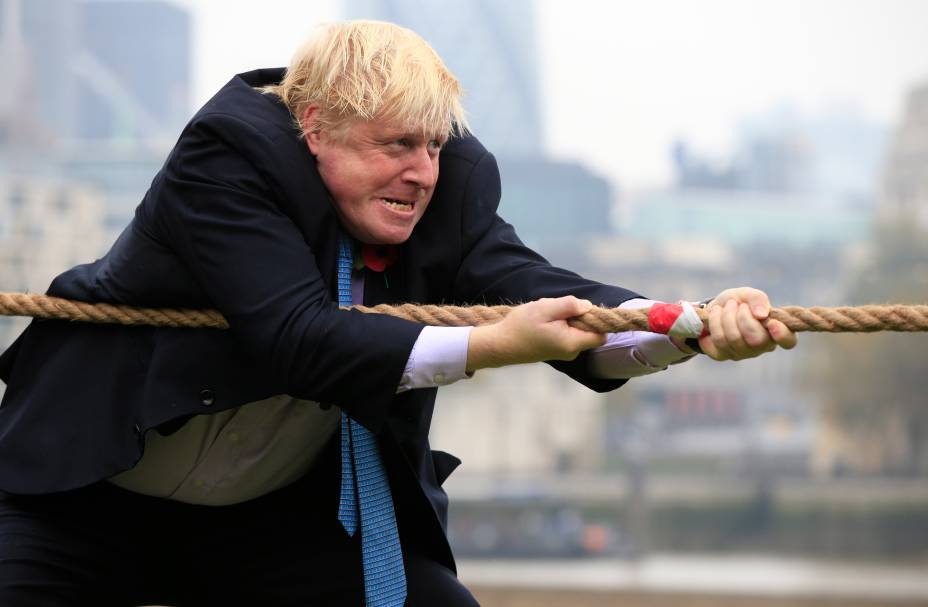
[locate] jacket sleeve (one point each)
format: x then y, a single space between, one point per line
217 204
499 269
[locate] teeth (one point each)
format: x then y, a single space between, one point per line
396 204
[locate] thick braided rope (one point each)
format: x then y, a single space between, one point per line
44 306
845 319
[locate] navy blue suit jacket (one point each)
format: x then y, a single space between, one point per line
239 220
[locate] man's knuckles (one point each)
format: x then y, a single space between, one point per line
757 339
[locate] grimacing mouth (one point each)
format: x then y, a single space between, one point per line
398 205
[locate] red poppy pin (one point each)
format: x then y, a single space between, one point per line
378 257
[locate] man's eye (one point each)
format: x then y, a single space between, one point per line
404 143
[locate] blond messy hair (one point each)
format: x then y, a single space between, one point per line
367 70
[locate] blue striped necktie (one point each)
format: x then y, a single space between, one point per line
365 492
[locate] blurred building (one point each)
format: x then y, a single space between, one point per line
39 40
47 224
796 246
97 92
520 420
838 155
707 418
737 218
121 173
905 181
778 163
558 208
98 69
133 70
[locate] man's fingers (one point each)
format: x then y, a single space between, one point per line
543 333
732 331
585 340
708 348
562 308
755 298
758 301
753 332
580 339
783 337
720 349
740 326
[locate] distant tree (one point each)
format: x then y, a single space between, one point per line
875 387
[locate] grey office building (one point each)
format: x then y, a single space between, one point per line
134 71
94 70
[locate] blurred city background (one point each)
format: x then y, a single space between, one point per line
677 149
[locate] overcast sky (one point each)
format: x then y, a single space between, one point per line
621 79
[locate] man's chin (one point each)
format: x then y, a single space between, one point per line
387 237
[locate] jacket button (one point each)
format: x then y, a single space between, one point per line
207 398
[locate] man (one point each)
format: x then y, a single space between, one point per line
286 461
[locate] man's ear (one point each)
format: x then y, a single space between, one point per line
311 128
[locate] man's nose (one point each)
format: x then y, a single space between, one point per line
422 169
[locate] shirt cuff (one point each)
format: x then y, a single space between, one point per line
438 358
634 353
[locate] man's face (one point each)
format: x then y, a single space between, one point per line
380 177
